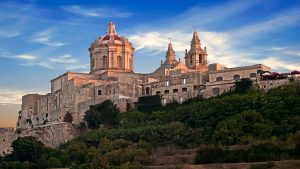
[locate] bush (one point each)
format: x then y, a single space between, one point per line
149 103
105 113
27 149
243 85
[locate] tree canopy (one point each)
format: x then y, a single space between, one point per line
105 113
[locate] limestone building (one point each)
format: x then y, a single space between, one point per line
112 77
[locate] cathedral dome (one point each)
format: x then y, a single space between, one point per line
111 52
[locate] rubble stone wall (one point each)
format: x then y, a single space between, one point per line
51 135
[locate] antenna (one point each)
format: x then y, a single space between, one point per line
195 27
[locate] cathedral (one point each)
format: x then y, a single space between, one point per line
112 77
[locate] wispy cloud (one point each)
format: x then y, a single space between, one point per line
210 14
278 22
9 34
223 47
276 48
25 57
64 59
14 96
45 38
105 12
22 57
64 62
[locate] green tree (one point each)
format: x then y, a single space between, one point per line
243 85
42 163
105 113
54 162
149 103
96 159
132 117
27 149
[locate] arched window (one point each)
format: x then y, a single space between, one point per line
147 90
99 92
191 60
184 89
105 62
175 90
166 91
119 62
157 92
167 83
200 58
216 91
220 78
93 62
236 77
252 75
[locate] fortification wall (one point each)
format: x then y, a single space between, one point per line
7 135
51 135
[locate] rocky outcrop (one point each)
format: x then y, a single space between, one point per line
51 135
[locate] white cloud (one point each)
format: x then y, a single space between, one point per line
276 23
276 48
9 34
203 15
291 52
96 12
82 67
67 58
14 96
279 64
159 40
45 38
223 47
25 57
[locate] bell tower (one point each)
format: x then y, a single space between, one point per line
170 55
196 57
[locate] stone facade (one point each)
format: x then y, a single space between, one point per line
51 135
111 77
7 136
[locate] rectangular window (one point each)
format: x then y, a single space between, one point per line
167 83
99 92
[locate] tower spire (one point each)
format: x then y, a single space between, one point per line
170 54
195 39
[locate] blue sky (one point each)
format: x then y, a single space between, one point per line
40 40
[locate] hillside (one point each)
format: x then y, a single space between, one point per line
246 126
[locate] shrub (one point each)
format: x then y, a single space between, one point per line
149 103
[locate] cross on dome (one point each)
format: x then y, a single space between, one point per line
111 29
